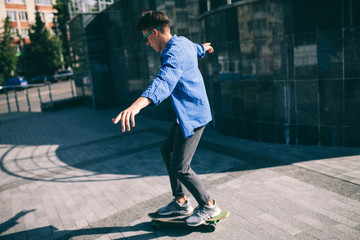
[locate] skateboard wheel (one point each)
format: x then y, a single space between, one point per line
212 227
155 225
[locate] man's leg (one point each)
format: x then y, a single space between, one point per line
183 152
167 154
180 205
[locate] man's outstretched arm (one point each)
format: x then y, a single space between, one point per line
129 114
201 49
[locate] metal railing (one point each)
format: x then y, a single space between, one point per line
30 98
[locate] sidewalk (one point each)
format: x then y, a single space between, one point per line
73 174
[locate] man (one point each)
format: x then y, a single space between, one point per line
180 79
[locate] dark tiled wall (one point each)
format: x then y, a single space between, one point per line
286 71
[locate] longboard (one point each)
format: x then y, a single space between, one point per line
210 223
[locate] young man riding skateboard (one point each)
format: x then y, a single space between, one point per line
180 79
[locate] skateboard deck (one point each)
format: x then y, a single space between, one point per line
210 223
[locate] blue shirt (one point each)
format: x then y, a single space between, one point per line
180 78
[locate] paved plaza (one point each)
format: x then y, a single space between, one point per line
72 174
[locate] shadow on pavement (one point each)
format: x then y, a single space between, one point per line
83 145
140 231
13 221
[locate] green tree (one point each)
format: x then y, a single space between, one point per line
8 57
44 49
63 16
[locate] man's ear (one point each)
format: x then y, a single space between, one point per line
157 32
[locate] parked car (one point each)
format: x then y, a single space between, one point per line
16 81
40 79
63 75
13 82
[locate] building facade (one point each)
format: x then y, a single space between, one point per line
284 71
22 15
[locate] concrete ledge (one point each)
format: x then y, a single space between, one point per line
60 104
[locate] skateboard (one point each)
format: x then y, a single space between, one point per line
210 223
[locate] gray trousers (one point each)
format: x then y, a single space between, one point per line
177 153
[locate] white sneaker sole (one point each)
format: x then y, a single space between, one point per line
203 221
183 212
195 224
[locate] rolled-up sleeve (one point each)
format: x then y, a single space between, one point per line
200 50
165 81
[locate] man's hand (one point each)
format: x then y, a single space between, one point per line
128 115
125 117
208 47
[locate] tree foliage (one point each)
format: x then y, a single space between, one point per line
63 17
44 49
8 57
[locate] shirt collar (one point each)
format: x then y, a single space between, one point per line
168 45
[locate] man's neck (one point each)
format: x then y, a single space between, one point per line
165 38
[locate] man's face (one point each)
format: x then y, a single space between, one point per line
152 39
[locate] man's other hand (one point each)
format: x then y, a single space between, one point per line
208 47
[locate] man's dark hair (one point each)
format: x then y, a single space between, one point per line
152 19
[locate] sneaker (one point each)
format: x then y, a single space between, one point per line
201 214
176 208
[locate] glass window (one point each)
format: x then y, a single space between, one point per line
23 16
91 6
49 17
14 32
24 33
217 3
11 15
43 3
105 3
15 1
203 6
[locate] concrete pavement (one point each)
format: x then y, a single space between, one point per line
72 174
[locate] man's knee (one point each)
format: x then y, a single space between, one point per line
180 171
166 154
